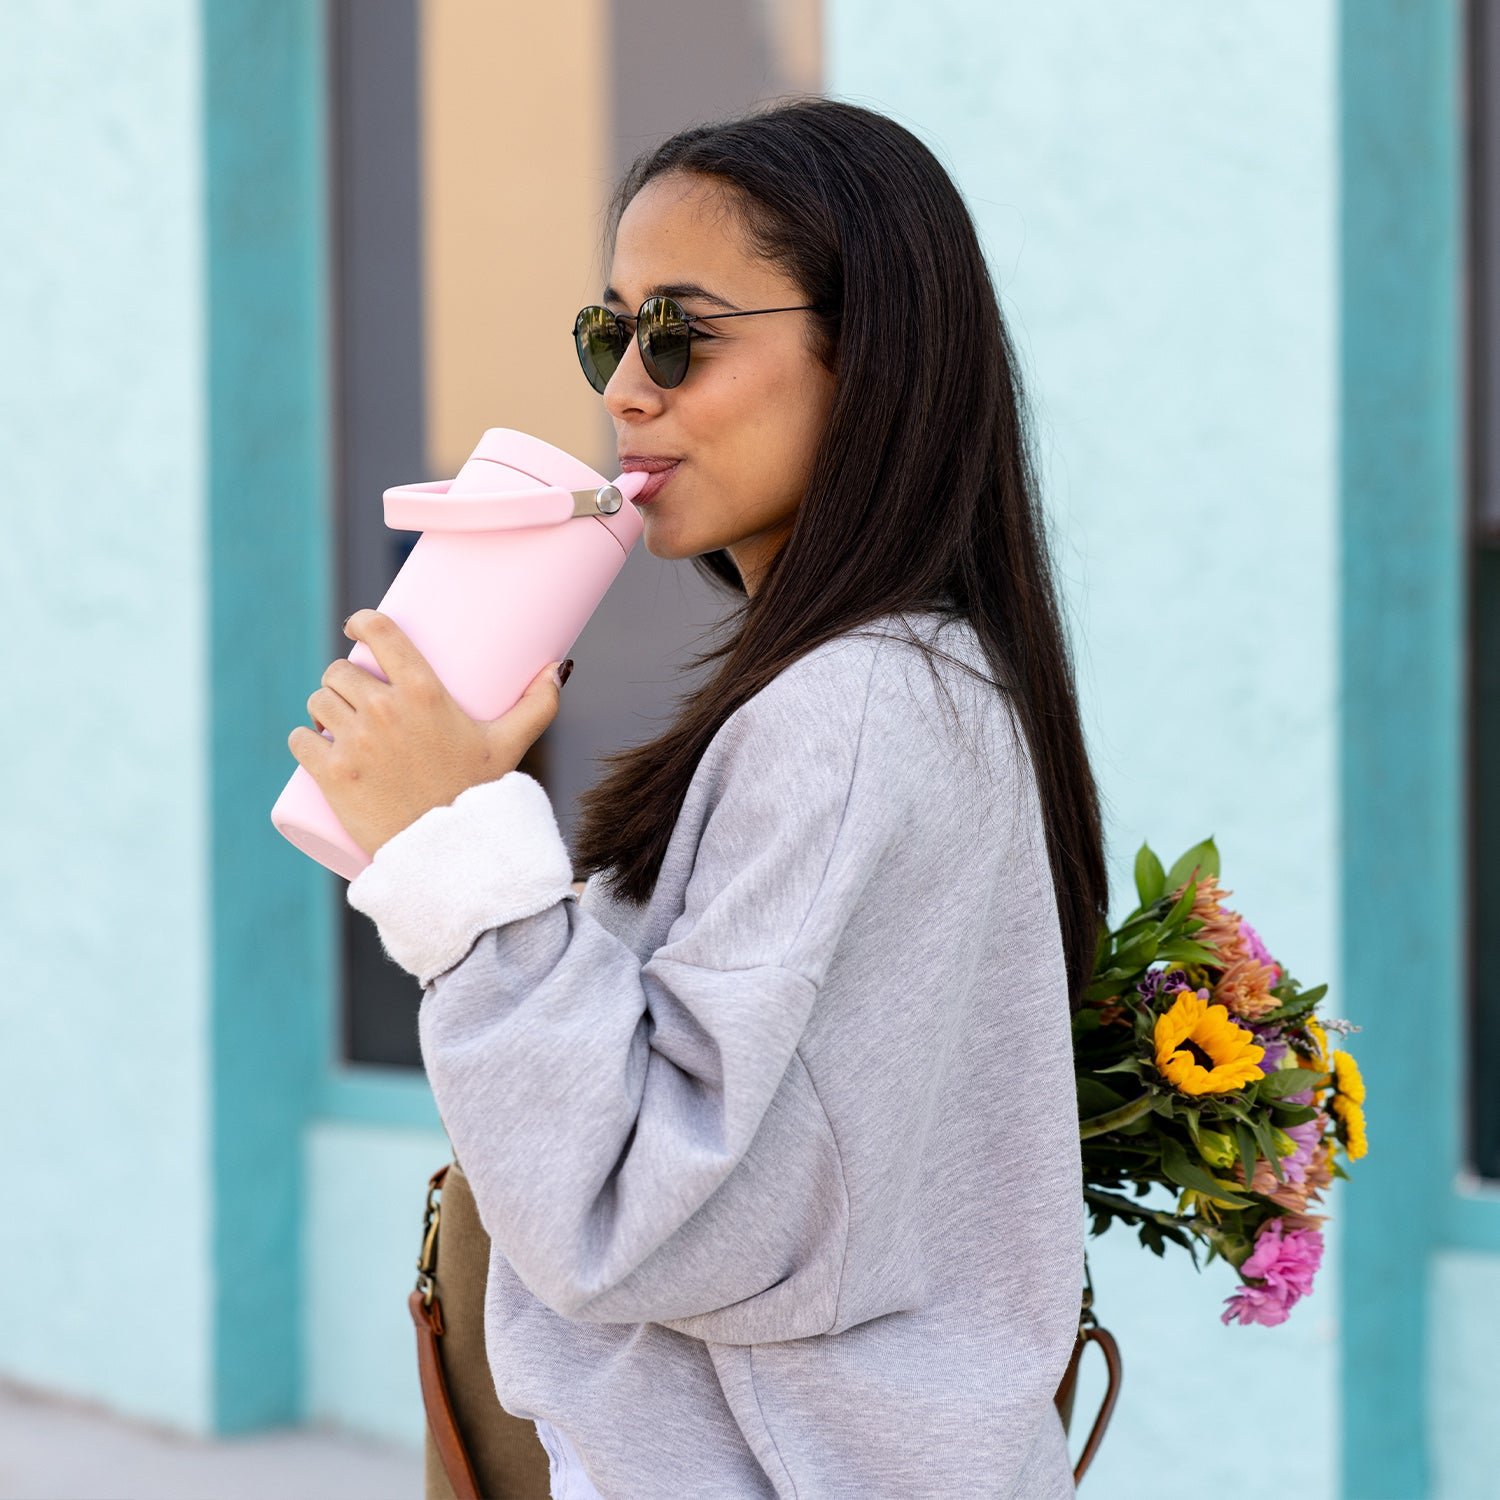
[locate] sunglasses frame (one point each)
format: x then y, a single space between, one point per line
642 319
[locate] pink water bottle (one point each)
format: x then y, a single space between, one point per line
515 555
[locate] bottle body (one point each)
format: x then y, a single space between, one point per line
486 608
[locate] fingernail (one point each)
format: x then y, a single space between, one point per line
567 668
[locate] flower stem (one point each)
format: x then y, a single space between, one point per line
1119 1204
1102 1124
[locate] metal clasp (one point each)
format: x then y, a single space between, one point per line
427 1260
604 501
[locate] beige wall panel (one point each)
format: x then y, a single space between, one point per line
796 37
516 112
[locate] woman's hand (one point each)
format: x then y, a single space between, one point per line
403 747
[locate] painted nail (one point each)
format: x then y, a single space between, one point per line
566 668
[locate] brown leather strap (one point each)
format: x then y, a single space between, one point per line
440 1418
435 1398
1106 1342
427 1315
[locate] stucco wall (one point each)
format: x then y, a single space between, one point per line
1156 184
102 800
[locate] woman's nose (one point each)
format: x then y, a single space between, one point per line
630 388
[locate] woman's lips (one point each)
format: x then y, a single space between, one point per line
660 470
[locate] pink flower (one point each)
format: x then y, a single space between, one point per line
1284 1261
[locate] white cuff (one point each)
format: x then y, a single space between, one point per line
492 856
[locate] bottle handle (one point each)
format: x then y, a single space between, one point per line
426 507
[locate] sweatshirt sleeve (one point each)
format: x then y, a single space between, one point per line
644 1141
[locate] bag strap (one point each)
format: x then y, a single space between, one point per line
427 1315
1106 1341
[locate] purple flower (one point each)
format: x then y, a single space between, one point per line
1307 1135
1150 986
1271 1039
1284 1263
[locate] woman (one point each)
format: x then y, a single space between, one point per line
773 1126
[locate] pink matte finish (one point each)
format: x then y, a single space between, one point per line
489 602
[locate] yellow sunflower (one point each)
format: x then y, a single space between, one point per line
1321 1060
1352 1126
1199 1050
1346 1077
1347 1104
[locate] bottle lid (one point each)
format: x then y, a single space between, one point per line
514 481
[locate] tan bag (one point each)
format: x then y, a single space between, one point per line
476 1450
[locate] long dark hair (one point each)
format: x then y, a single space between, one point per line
923 493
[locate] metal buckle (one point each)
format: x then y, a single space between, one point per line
427 1259
604 501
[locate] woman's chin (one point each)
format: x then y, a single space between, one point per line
659 541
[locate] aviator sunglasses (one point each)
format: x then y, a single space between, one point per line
664 332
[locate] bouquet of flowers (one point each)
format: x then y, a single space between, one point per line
1202 1065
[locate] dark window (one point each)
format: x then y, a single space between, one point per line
1483 547
378 405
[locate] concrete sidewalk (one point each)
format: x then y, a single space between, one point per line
53 1449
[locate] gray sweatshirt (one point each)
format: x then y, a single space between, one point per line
781 1169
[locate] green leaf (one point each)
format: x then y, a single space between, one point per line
1185 951
1101 949
1262 1128
1204 856
1110 982
1183 905
1150 878
1177 1166
1293 1114
1283 1081
1139 955
1095 1099
1244 1139
1296 1008
1138 923
1125 1065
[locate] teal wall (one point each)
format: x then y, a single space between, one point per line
267 558
366 1188
211 1226
1423 1260
105 886
1156 182
320 1171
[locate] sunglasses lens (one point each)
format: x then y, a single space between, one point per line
600 340
665 337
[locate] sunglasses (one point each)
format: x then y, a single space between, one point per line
664 332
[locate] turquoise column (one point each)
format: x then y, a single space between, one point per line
1402 504
269 572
